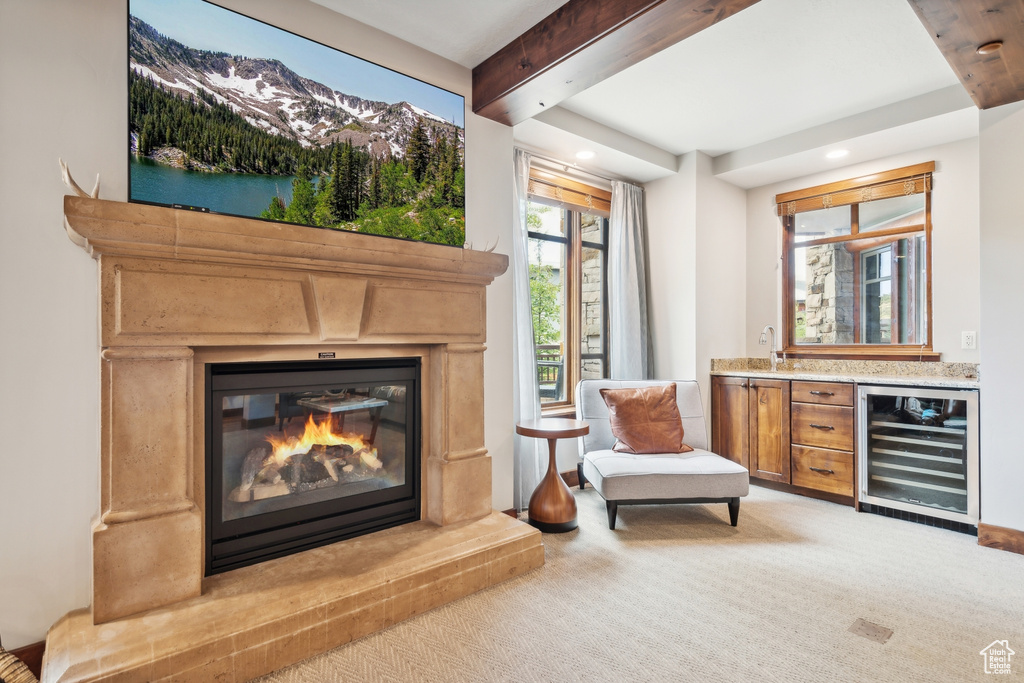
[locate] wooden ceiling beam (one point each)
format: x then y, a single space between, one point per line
579 45
960 27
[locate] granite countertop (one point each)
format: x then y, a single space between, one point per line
898 380
898 373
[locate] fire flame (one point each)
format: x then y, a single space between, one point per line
315 434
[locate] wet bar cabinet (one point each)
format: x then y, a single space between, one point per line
918 453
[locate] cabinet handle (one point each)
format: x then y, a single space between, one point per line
743 386
821 426
822 393
753 386
821 469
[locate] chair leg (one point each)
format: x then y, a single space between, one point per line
579 475
613 508
734 510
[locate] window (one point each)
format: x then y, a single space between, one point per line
856 266
876 293
568 233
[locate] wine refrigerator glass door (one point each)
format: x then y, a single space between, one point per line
919 450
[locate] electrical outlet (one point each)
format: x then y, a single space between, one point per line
968 340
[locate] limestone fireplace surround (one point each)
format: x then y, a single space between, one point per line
180 289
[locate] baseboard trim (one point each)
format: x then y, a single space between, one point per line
571 478
999 537
32 657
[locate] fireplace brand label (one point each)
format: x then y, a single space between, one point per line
326 354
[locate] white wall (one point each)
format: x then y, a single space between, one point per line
721 321
956 274
764 270
63 75
671 207
489 220
1002 282
696 228
48 304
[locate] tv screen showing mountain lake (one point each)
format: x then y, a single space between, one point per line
235 116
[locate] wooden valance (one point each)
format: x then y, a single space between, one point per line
568 193
895 183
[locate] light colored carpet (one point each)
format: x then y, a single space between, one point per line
676 594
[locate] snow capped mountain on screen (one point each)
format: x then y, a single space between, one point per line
272 97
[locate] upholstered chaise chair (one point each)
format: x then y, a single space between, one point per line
697 476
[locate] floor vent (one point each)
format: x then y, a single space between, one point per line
874 632
918 518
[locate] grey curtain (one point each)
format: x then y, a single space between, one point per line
627 289
530 462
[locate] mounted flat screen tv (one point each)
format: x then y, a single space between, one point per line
231 115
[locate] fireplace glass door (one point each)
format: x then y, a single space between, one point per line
302 454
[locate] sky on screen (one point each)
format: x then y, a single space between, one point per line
204 26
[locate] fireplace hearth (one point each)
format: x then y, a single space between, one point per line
301 454
191 302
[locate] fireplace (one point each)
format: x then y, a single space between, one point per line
301 454
193 304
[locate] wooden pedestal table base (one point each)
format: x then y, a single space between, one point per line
552 505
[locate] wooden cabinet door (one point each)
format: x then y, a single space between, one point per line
729 419
769 429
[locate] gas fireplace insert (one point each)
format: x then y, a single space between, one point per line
301 454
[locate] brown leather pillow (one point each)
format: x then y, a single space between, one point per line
645 420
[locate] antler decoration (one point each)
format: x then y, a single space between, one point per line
489 248
73 186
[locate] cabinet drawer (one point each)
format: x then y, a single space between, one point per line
823 426
829 393
823 470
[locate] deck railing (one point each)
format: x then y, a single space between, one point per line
550 371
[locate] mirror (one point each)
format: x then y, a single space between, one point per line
866 291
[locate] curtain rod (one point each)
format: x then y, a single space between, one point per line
567 165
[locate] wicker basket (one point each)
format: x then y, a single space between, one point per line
12 670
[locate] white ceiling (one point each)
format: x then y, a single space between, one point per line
464 31
777 67
767 91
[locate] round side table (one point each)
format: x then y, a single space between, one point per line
552 505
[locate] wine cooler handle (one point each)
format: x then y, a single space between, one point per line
822 470
821 426
822 393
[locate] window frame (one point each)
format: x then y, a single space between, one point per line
845 193
574 199
578 336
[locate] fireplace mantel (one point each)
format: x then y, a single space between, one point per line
179 289
181 278
106 227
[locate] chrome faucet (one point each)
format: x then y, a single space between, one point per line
773 355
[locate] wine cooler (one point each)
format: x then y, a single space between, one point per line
918 451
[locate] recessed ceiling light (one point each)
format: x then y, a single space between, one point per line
989 48
585 154
837 154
